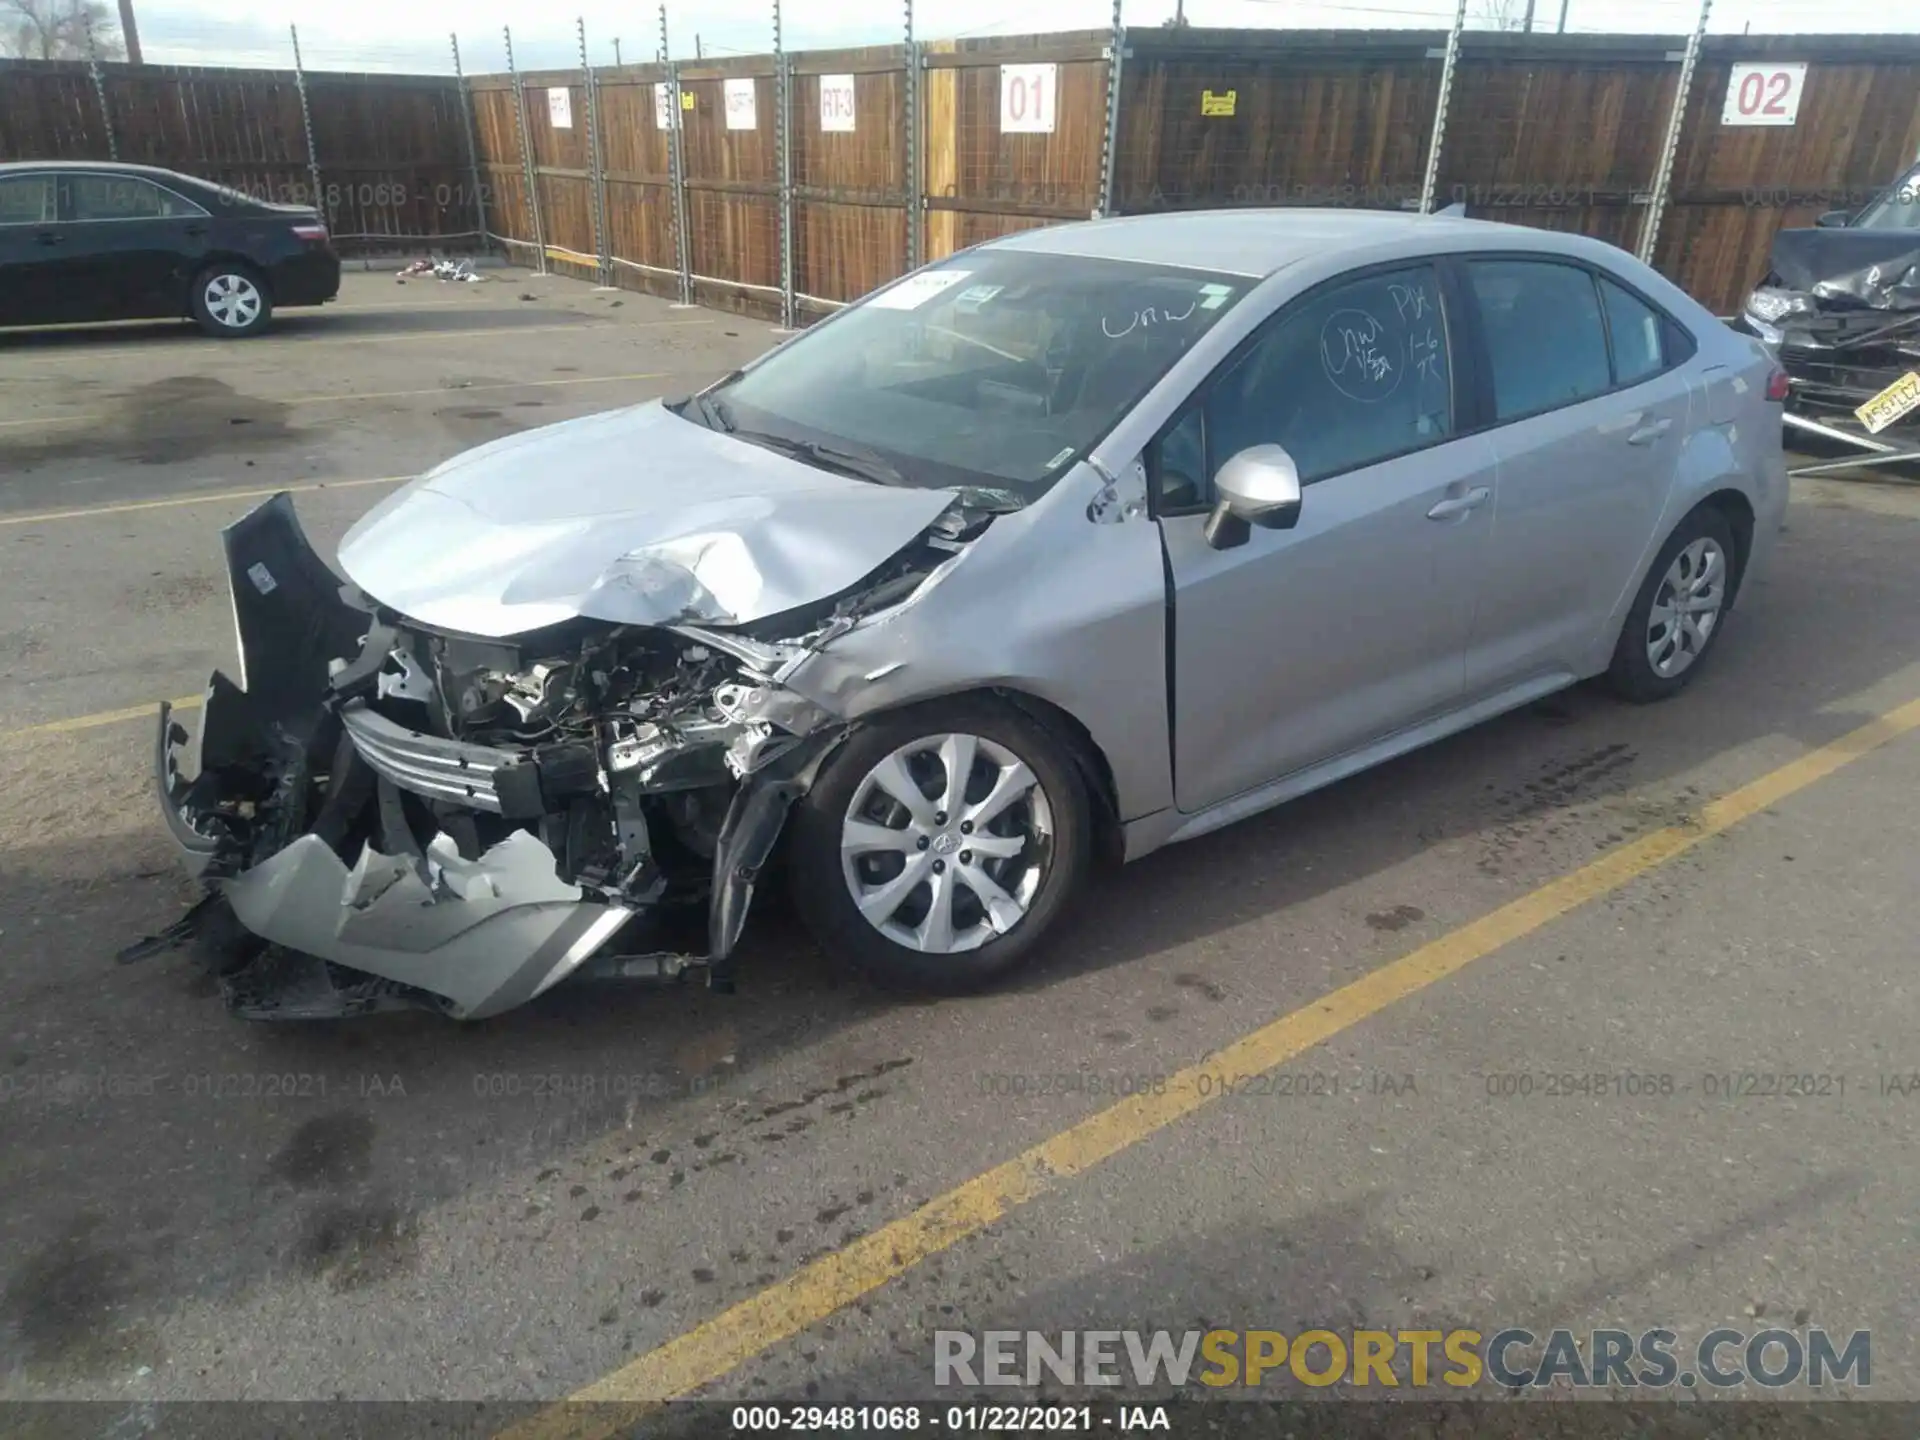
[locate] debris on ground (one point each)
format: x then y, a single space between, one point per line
461 270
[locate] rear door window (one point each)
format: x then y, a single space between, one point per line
124 197
1546 342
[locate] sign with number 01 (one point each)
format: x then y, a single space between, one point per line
560 107
836 103
1763 94
663 117
1028 98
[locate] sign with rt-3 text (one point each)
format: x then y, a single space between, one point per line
560 107
836 102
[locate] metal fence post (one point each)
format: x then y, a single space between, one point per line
911 179
1110 138
100 89
526 156
596 173
1431 182
783 142
676 168
306 124
473 147
1663 179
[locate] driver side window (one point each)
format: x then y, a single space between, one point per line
1352 375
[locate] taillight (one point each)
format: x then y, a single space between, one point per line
315 232
1777 386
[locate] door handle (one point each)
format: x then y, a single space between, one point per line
1454 505
1647 434
51 237
196 231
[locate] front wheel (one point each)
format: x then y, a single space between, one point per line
940 844
230 301
1679 611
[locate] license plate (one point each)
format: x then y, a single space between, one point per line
1891 403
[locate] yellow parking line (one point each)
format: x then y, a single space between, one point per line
41 517
94 722
781 1311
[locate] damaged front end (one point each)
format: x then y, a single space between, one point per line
1840 310
386 814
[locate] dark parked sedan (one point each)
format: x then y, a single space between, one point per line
130 242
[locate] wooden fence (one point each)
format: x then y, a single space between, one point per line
820 175
391 148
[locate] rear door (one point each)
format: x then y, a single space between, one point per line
30 250
133 244
1302 645
1589 414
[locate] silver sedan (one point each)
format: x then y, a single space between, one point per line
1072 545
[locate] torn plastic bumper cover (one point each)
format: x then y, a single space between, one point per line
360 807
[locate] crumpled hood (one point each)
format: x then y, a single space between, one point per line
633 516
1879 269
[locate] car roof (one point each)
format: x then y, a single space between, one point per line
1258 242
114 167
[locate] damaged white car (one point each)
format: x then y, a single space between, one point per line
1080 542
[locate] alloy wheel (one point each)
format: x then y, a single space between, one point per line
947 842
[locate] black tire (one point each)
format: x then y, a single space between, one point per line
207 311
819 884
1631 676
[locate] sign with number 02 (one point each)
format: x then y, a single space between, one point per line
1028 98
1763 94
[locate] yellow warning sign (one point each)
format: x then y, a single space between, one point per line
1221 104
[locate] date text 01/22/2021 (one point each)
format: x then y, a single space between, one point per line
959 1419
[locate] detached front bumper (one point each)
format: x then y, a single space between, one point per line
294 820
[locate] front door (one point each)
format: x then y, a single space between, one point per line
1301 645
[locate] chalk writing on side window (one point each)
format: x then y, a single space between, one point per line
1366 351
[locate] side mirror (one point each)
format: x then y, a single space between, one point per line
1259 486
1834 220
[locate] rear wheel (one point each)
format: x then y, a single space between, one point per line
940 844
229 300
1679 611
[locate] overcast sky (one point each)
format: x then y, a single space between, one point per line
372 35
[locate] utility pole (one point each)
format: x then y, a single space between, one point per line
1563 18
1528 25
129 32
696 46
616 50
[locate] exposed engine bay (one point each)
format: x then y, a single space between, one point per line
386 813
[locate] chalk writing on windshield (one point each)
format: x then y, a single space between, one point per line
1116 326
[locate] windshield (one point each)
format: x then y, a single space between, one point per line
997 368
1898 209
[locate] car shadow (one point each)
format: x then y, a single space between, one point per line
181 1188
